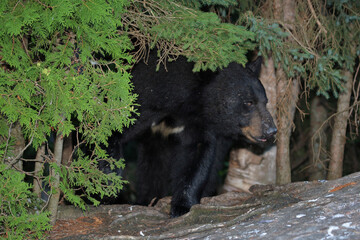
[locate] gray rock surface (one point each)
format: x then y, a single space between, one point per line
303 210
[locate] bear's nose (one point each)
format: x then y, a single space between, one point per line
271 131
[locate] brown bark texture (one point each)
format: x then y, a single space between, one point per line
287 94
38 170
67 150
338 139
19 145
54 198
318 143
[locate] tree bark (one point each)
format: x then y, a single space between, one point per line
54 198
67 150
38 170
318 156
268 78
287 94
338 139
287 97
19 146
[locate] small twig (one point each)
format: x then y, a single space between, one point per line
356 97
16 6
31 174
46 204
316 18
25 46
14 160
298 41
31 160
44 5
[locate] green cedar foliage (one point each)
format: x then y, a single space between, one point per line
47 82
18 219
63 68
200 36
210 44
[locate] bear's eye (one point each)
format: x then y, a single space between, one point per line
248 103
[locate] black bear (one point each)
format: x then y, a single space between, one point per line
159 150
207 110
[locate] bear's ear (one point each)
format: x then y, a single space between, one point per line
255 66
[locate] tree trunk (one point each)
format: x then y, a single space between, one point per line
338 139
247 168
287 94
67 150
268 78
38 170
318 143
19 146
54 198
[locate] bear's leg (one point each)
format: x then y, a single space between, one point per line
190 174
152 171
223 147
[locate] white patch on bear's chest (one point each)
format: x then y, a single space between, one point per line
165 130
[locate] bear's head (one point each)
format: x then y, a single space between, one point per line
235 104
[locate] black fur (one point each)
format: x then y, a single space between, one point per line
214 109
